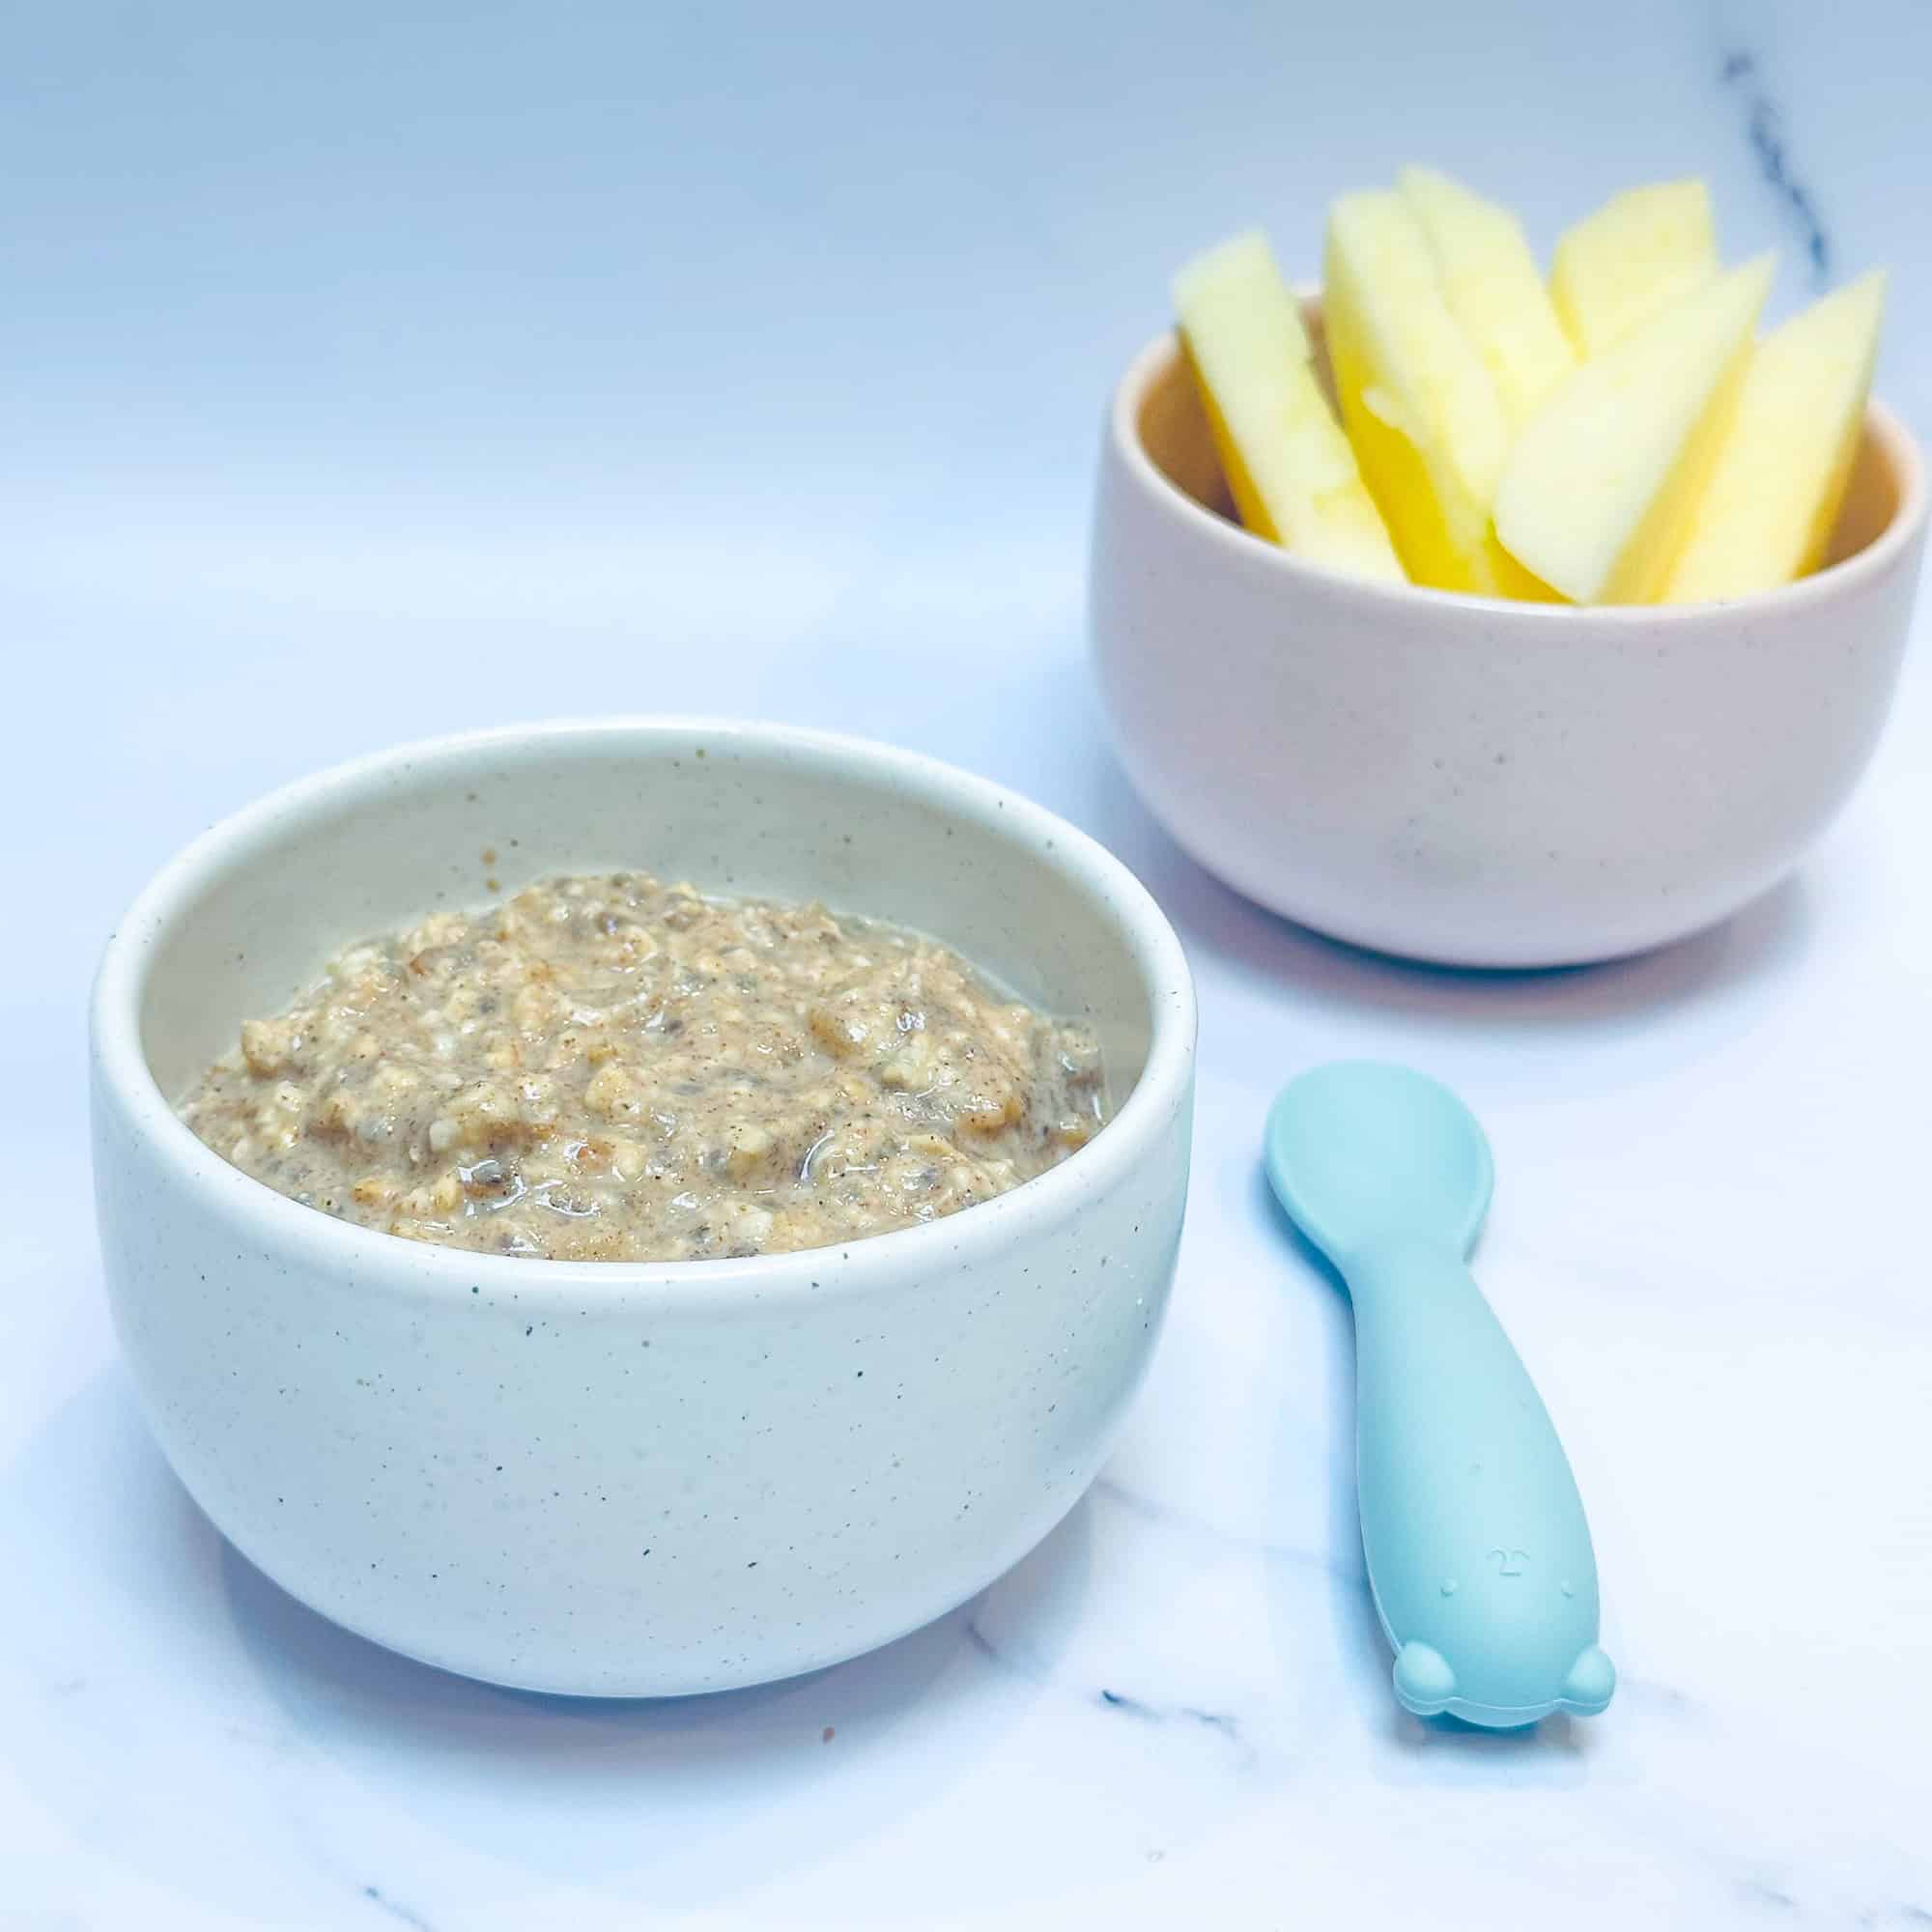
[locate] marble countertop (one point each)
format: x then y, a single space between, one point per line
328 396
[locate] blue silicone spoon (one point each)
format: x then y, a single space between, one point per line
1479 1555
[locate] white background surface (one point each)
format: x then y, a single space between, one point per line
370 372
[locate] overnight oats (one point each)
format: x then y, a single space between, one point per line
608 1069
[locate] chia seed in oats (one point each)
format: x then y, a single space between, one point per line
612 1069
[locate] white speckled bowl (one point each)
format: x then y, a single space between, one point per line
1464 780
636 1480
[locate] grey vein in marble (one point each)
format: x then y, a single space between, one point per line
1221 1722
1167 1516
1764 127
383 1902
1218 1722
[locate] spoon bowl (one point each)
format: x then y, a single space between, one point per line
1363 1149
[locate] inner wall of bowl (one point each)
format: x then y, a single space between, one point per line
1173 428
735 816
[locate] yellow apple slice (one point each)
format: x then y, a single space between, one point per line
1773 500
1600 488
1419 405
1493 288
1284 455
1619 267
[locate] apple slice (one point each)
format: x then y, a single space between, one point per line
1288 464
1600 488
1493 288
1619 267
1419 405
1773 498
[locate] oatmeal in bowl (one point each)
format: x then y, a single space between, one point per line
608 1069
776 1276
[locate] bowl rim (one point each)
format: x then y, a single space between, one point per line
280 1224
1156 356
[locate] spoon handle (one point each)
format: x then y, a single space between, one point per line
1478 1551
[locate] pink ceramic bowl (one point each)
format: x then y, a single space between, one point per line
1465 780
